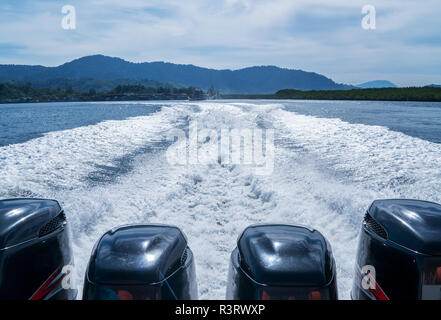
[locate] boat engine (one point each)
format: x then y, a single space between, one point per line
399 252
36 260
282 262
141 262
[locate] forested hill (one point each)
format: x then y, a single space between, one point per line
260 79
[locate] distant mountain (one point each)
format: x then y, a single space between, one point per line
434 86
377 84
263 79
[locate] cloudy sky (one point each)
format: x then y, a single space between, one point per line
322 36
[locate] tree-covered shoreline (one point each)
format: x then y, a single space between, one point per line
27 93
428 94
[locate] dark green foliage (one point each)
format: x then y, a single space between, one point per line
10 93
386 94
27 92
85 84
380 94
133 89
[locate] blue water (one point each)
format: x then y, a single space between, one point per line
22 122
416 119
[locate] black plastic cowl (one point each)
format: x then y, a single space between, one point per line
35 251
22 220
412 224
135 255
284 255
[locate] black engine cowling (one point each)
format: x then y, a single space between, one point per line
282 262
141 262
399 252
36 260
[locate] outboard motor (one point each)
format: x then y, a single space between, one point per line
399 252
35 254
282 262
141 262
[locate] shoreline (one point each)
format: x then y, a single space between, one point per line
222 98
415 94
412 94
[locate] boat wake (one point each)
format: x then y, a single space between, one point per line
326 173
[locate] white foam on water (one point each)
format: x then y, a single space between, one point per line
63 158
326 174
373 156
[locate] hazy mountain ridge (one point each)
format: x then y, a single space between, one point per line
260 79
377 84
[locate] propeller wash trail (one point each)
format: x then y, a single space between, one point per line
326 173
